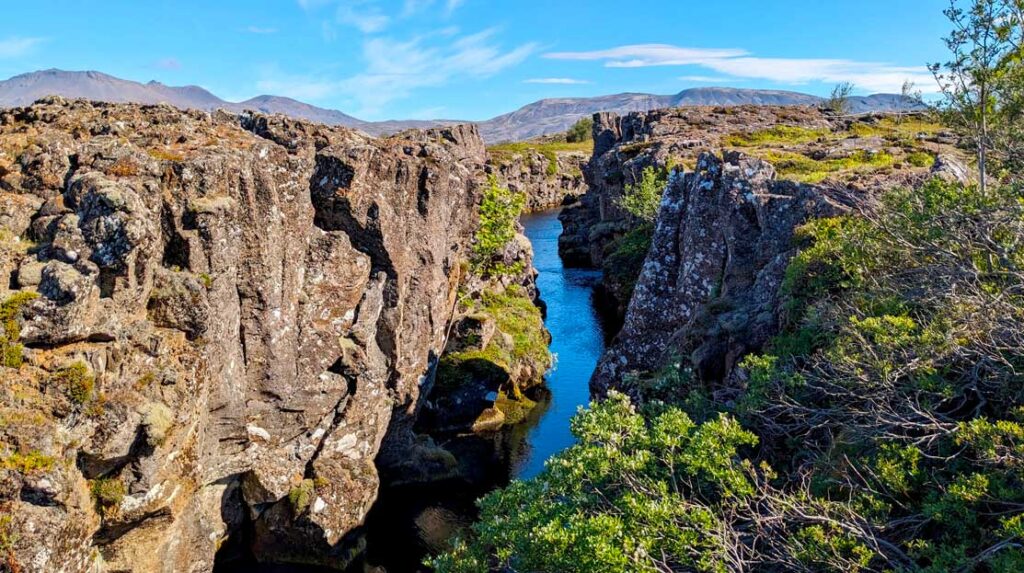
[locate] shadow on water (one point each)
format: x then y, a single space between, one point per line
409 523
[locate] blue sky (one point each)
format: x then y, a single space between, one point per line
473 59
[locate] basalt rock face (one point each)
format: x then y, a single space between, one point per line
236 318
624 145
547 180
709 289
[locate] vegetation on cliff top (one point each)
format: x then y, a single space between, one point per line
888 417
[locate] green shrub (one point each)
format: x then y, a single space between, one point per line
107 494
76 381
632 495
10 311
31 463
582 130
499 211
643 198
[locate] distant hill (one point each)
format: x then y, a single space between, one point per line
539 118
555 115
27 88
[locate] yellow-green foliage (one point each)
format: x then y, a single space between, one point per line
165 155
76 381
10 311
779 134
516 316
31 463
799 167
107 494
504 153
499 210
301 496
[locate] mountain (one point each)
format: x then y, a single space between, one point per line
26 88
555 115
539 118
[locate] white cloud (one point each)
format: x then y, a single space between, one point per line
708 79
739 64
556 81
642 55
16 46
364 15
260 30
395 69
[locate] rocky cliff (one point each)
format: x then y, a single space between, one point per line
699 286
549 179
214 325
708 291
806 145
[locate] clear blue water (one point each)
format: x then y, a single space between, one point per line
577 340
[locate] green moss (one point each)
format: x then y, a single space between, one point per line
803 169
921 159
76 381
301 496
520 340
31 463
107 494
624 260
10 311
779 134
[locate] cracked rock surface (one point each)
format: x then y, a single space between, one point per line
236 322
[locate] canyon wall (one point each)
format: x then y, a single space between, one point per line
229 324
548 180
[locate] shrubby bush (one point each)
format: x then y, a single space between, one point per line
499 211
642 199
881 430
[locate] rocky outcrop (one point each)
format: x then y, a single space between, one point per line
625 144
237 321
548 180
708 292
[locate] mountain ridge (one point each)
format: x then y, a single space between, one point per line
542 117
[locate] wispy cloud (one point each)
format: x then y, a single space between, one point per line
556 81
364 15
15 46
740 64
260 30
168 64
708 79
642 55
395 69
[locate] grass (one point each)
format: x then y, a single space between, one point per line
107 494
803 169
31 463
165 155
780 134
624 260
504 153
